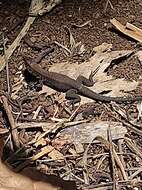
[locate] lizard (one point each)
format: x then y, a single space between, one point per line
73 88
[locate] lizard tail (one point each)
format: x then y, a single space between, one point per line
98 97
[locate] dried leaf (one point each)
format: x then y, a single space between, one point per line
29 178
86 132
44 150
129 30
41 142
102 48
139 55
103 82
139 107
56 155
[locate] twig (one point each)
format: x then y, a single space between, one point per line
7 66
78 178
62 46
81 25
116 157
138 183
112 158
133 147
130 126
108 2
37 112
14 132
100 160
120 141
131 31
135 173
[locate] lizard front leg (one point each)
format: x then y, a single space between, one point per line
72 93
73 96
87 82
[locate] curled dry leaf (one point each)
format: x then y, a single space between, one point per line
75 47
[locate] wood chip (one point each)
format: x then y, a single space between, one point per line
129 30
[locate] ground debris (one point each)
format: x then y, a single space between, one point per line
100 149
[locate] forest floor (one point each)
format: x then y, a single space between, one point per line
92 165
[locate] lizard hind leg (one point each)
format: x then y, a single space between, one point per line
73 96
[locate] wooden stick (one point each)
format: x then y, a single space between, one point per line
135 34
14 132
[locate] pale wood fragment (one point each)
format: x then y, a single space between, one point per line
129 30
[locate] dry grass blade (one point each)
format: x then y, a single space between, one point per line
27 125
108 2
100 161
84 161
82 25
72 40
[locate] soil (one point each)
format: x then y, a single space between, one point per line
52 27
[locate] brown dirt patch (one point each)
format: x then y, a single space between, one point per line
51 27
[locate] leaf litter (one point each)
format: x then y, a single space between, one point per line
81 150
104 58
